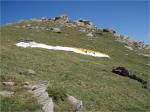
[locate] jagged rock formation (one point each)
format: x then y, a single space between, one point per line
127 41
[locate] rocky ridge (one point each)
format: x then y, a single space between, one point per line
84 26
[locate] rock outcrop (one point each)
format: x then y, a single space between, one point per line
130 42
111 30
61 19
85 23
85 26
39 92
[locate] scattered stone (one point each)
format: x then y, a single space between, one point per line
128 47
26 83
28 72
41 95
6 93
117 35
29 87
35 19
36 27
23 26
56 30
20 21
17 26
28 25
77 103
70 25
8 83
89 35
147 65
146 55
147 46
44 18
83 30
42 28
109 30
85 23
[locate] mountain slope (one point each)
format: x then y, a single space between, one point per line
87 78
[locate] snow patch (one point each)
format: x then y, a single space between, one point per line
76 50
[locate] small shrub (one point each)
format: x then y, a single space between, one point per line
57 93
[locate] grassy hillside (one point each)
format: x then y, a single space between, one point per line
87 78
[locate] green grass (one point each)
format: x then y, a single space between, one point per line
87 78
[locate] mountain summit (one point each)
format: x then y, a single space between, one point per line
44 76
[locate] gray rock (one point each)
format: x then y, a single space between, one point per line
26 83
42 28
83 30
56 30
117 35
109 30
85 23
28 25
89 34
128 47
44 18
77 103
62 19
23 26
146 55
147 65
17 26
28 72
8 83
6 93
42 96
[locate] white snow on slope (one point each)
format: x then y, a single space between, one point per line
76 50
